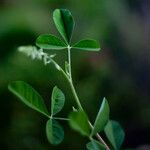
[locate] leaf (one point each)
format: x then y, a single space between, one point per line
79 122
102 117
54 132
87 45
95 145
115 134
48 41
58 100
28 96
64 23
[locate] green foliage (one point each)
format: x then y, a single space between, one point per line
29 96
58 100
115 134
78 119
79 122
102 117
95 145
54 132
64 23
48 41
87 45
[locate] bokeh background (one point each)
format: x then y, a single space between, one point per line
120 71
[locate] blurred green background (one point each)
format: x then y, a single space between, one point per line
120 71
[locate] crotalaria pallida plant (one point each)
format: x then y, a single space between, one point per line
78 119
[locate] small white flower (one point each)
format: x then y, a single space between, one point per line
46 59
35 53
40 54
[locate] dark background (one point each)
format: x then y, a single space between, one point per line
120 71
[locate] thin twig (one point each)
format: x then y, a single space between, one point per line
59 118
99 137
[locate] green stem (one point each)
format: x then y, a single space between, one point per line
69 62
77 99
75 96
60 69
59 118
70 82
69 79
99 137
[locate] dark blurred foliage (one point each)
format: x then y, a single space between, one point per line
120 72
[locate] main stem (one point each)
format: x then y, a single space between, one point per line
69 79
71 82
77 99
69 61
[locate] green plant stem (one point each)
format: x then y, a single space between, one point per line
69 79
99 137
77 99
69 62
70 82
75 96
59 118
